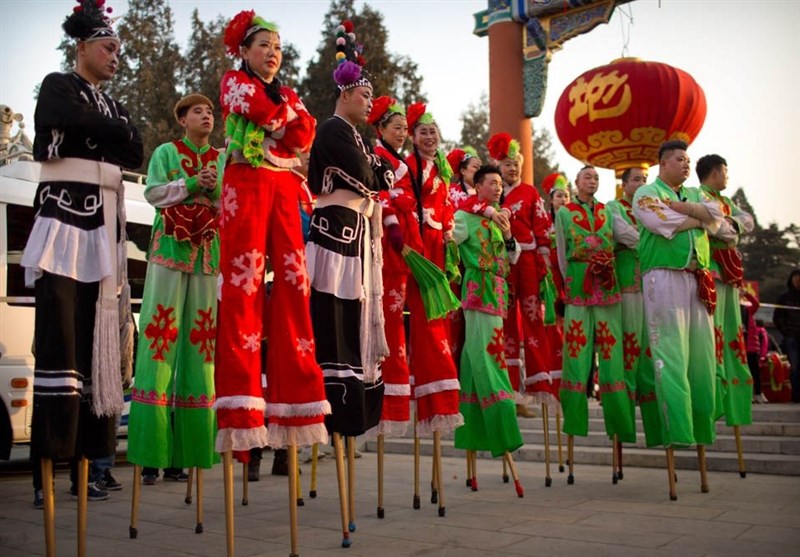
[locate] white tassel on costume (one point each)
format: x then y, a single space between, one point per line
374 347
106 384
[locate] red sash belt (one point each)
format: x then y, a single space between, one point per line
195 223
601 265
706 289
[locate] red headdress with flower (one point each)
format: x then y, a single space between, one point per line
244 24
502 146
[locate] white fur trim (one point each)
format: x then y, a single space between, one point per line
241 402
396 389
390 220
437 387
294 410
539 377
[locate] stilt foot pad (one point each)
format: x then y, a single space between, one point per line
561 468
245 502
300 502
441 511
416 502
380 512
434 497
133 533
199 528
742 474
188 500
505 478
570 479
351 526
313 493
548 482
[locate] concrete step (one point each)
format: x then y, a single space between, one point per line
777 412
779 464
780 429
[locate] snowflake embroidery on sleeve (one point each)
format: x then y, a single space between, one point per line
236 95
296 271
251 265
252 342
515 207
533 342
541 212
230 203
305 345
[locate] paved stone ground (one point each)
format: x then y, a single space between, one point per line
757 516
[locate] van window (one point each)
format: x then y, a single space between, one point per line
20 222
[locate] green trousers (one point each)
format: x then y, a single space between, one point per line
487 399
638 364
682 344
734 380
586 329
172 420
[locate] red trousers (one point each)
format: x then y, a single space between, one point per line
524 326
260 220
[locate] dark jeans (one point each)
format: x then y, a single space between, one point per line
791 347
755 370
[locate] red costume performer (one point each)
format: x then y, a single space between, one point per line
388 114
425 217
267 129
529 226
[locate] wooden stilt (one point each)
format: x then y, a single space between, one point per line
570 460
701 464
293 491
505 472
351 483
137 490
614 458
469 468
512 467
312 491
548 481
338 449
739 452
434 481
437 458
558 440
619 459
380 475
49 507
300 502
245 486
198 529
473 455
189 481
673 496
83 493
416 464
227 469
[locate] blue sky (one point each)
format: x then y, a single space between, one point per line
745 56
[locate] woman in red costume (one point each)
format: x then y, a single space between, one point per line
268 132
389 119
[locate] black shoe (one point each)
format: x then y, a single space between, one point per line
93 493
280 463
254 470
176 476
108 483
38 499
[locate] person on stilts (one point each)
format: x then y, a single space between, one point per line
345 260
75 259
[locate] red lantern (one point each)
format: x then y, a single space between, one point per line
616 116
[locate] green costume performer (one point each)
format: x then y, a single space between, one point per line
678 292
592 319
639 373
172 419
487 398
735 381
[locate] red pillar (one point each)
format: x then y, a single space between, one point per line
506 89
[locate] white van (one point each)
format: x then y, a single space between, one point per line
18 181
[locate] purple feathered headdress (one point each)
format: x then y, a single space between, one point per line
350 70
